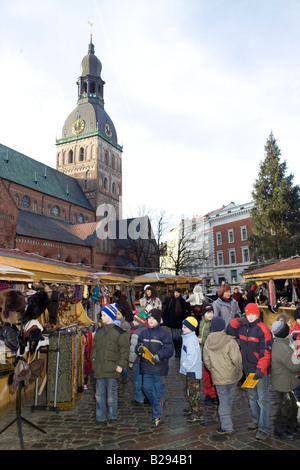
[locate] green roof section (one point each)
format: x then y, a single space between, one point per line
23 170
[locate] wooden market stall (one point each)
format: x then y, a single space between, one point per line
26 273
164 283
281 282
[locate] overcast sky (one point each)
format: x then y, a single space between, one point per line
194 88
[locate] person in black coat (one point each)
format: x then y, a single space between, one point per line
175 312
123 305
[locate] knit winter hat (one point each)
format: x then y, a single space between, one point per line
156 314
297 313
140 316
110 310
217 324
252 308
280 329
207 308
191 323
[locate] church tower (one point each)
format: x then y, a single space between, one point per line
89 149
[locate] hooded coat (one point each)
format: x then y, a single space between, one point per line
285 366
197 297
222 357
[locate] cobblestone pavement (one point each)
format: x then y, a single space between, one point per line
76 429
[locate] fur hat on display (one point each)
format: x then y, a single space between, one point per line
12 303
36 305
22 374
10 335
33 334
36 368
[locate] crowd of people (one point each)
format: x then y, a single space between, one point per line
216 342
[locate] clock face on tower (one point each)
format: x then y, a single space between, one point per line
107 130
78 126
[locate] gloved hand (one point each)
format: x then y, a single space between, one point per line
258 374
140 350
155 358
243 320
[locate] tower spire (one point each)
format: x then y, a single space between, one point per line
91 45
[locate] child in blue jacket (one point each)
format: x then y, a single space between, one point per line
159 342
191 367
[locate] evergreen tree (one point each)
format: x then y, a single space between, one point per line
276 211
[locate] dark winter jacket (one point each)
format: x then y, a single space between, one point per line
110 349
124 307
172 317
255 341
134 358
159 342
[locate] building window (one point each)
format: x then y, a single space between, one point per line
80 219
220 258
219 238
113 188
25 201
232 259
233 275
245 255
81 154
70 156
230 236
55 211
105 184
244 233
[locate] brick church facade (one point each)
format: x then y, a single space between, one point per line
53 212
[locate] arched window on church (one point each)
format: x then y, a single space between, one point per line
81 154
113 188
70 156
106 157
84 88
92 88
113 162
105 184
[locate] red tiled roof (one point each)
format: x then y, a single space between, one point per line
283 265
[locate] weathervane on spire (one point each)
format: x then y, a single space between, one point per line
91 25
